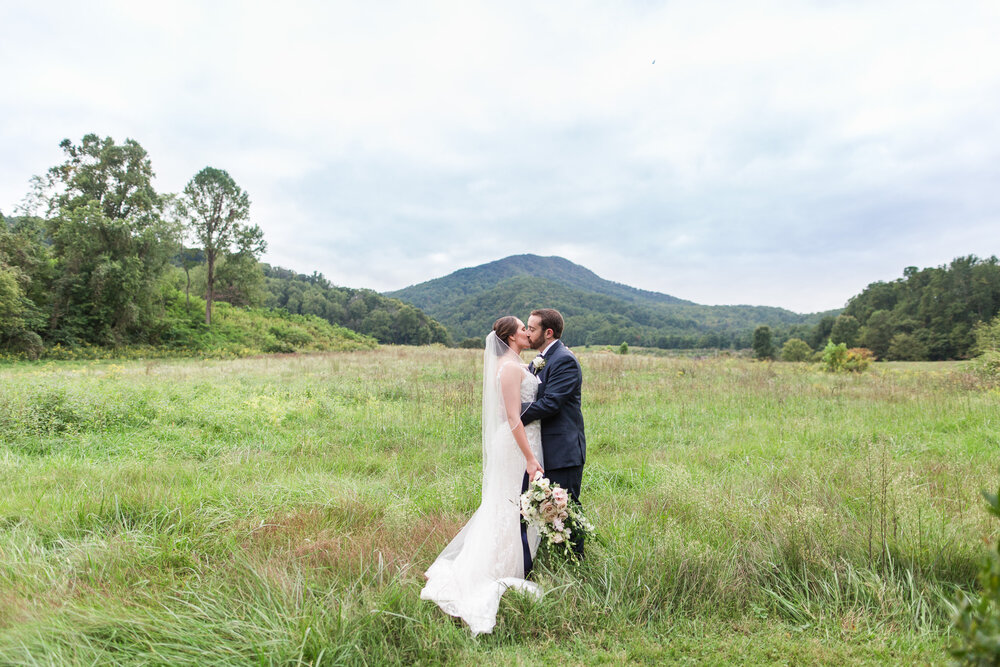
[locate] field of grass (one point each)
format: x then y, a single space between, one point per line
281 510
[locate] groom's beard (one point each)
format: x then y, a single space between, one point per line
536 344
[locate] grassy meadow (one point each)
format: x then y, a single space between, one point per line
281 510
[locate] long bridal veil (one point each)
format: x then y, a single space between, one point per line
495 356
485 558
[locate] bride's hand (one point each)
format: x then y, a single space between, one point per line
533 468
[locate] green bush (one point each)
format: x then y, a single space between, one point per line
837 358
987 336
987 367
796 349
858 359
978 617
623 348
834 356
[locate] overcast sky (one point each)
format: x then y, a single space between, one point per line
772 153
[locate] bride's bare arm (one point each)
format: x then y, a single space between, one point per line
510 387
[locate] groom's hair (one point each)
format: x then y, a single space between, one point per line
551 319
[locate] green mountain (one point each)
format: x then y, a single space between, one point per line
597 311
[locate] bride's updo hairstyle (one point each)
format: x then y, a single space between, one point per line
504 328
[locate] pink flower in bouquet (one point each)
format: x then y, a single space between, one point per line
548 511
560 497
558 525
557 538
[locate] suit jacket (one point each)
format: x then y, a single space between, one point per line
557 405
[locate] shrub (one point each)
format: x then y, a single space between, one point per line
858 359
623 348
837 358
796 349
978 617
295 337
987 367
834 356
987 336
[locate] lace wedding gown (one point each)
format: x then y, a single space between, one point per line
486 557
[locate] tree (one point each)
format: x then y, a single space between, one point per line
189 258
23 248
239 280
118 177
11 306
907 347
845 330
796 349
876 334
763 347
110 242
217 209
821 333
987 336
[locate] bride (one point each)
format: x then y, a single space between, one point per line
494 551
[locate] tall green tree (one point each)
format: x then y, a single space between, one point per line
217 210
876 334
763 346
110 242
845 330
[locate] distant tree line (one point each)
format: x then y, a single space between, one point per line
928 314
95 256
386 319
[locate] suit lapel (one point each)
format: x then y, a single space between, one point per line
549 354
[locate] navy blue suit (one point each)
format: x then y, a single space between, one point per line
557 405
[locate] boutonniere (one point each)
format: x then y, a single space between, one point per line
538 363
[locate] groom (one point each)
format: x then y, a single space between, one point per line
557 405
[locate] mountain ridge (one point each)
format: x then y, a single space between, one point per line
597 311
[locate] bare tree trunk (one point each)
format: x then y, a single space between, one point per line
210 296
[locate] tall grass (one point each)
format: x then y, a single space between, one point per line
281 510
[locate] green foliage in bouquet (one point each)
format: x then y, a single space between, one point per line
978 617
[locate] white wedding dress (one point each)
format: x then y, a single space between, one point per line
485 558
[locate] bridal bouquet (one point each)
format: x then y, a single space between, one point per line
547 507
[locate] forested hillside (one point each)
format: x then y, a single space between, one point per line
597 311
366 311
97 259
928 313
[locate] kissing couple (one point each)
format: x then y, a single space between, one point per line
532 423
